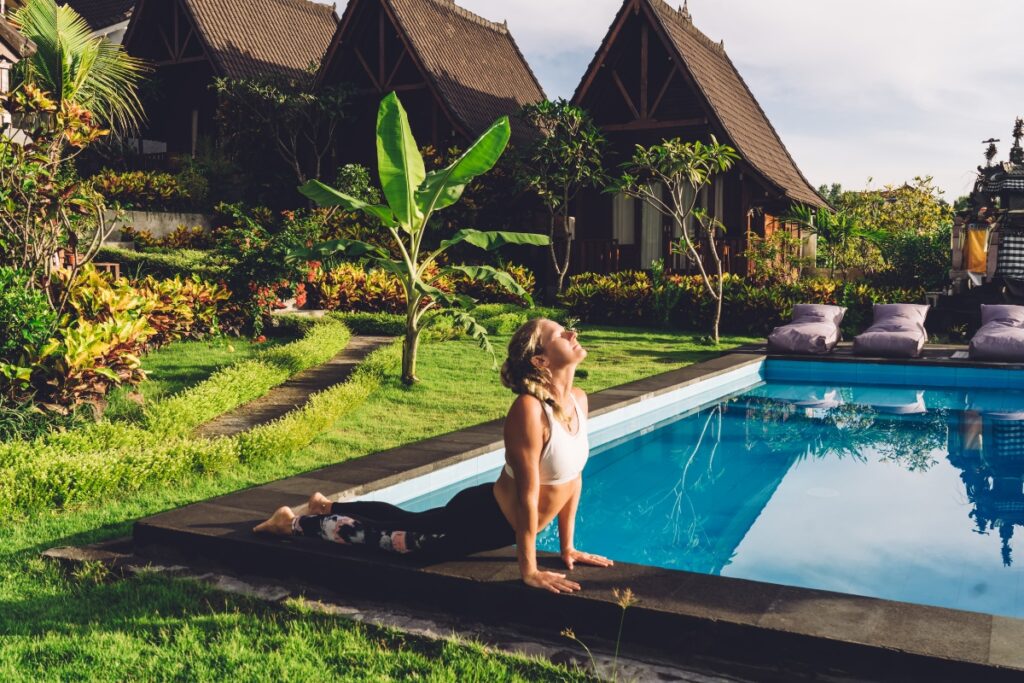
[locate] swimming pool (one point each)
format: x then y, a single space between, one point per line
892 481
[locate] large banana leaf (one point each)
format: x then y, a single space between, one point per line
328 196
495 239
342 247
447 298
493 275
399 162
444 187
468 324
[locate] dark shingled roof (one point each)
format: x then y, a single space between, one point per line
100 14
474 64
11 39
252 38
732 102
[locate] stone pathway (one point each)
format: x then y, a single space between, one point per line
295 392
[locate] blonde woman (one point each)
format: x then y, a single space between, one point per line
546 449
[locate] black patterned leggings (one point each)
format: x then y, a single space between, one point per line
470 522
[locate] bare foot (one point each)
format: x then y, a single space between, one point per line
318 504
280 523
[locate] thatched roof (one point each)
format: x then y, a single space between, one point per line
473 64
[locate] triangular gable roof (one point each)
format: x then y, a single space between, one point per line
13 44
473 64
100 14
252 38
729 101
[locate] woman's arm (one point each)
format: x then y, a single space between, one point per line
567 515
524 441
567 521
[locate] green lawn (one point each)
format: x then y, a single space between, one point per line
56 627
183 364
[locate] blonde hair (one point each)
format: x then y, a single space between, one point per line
522 376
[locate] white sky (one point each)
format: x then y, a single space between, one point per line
882 89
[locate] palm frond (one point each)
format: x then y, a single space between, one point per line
74 66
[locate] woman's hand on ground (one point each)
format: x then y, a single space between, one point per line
571 557
552 581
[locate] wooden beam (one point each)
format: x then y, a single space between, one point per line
366 68
177 11
654 124
394 71
409 86
167 43
603 54
380 46
661 93
644 54
188 38
181 60
625 94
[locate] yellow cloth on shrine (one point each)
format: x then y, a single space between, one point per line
976 250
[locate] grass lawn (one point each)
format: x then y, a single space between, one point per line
84 628
183 364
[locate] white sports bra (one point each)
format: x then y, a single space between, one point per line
565 454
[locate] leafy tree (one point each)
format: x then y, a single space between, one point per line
840 234
413 196
75 68
899 232
682 169
299 122
564 159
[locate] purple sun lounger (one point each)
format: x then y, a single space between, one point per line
897 331
814 329
1001 335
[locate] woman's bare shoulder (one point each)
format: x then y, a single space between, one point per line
525 407
581 398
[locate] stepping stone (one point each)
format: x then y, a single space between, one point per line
295 392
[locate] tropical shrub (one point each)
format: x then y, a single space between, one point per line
916 259
625 297
44 209
181 237
630 298
184 308
152 190
491 293
26 319
110 324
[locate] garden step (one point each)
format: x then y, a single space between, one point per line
295 392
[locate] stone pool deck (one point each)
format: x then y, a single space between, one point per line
684 617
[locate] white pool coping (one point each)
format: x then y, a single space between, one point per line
634 418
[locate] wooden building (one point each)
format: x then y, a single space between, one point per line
656 77
454 71
191 42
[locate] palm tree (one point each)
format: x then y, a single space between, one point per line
76 68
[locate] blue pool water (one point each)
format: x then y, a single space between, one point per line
904 493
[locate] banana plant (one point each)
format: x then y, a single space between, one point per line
412 196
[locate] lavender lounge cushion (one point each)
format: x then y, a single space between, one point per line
814 329
896 332
1001 335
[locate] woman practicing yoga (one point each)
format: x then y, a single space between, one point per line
546 448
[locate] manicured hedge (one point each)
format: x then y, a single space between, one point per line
631 298
107 460
237 384
163 264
